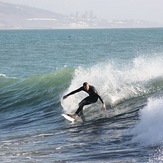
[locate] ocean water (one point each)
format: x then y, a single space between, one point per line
38 67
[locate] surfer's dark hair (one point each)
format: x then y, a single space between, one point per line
85 83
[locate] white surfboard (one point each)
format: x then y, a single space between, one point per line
68 118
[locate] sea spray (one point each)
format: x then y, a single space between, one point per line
116 82
149 130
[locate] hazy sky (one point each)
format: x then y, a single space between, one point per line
149 10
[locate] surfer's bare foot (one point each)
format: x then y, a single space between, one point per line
73 115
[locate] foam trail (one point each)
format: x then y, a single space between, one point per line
3 75
115 81
149 130
157 157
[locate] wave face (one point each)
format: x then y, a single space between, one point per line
125 66
34 90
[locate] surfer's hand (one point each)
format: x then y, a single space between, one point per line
64 97
103 106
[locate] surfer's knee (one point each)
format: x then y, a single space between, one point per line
82 103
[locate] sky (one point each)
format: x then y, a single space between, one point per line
148 10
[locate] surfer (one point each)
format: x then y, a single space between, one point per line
92 98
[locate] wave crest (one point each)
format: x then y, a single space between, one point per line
116 82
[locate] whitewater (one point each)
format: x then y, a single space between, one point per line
38 67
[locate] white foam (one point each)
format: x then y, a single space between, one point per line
3 75
149 130
115 81
157 157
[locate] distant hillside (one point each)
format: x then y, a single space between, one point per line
19 16
23 17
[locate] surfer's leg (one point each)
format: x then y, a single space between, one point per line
79 111
84 102
82 115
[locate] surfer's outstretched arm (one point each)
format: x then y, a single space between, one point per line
73 92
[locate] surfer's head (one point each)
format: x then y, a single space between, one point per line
86 86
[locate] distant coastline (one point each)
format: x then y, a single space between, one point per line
23 17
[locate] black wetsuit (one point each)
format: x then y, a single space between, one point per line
92 98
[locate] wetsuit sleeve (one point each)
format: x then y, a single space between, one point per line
100 98
75 91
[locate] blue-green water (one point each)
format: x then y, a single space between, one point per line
37 67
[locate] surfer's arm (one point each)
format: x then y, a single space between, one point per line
73 92
103 103
100 98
